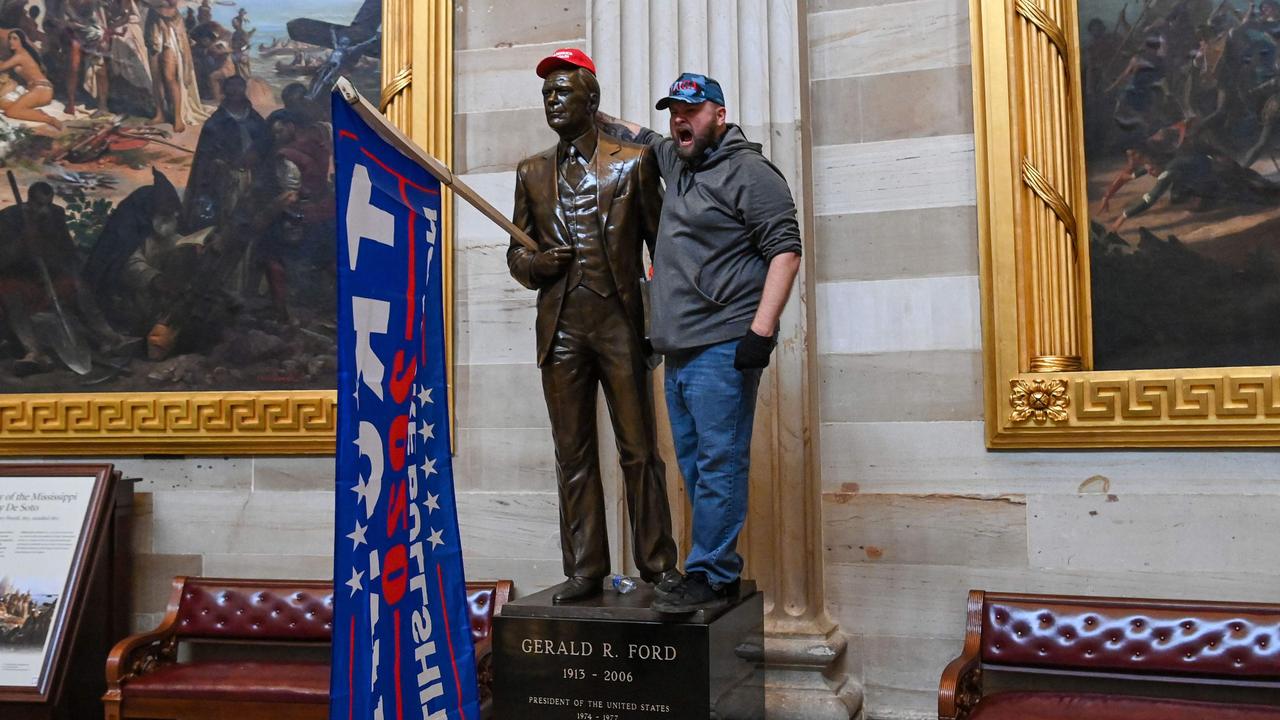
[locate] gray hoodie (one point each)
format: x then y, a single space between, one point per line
723 220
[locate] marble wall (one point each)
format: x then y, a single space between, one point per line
916 510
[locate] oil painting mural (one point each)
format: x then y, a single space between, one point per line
167 219
1182 139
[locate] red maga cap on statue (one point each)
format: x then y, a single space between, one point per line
565 58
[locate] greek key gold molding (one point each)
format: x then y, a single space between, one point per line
1198 397
1036 314
286 422
1231 397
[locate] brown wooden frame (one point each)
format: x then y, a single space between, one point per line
70 613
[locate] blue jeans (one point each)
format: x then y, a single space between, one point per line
712 406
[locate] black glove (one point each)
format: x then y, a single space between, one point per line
550 264
753 351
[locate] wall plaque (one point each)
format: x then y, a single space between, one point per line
64 585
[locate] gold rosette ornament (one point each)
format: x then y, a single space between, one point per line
1038 400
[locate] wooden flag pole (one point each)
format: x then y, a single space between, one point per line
392 134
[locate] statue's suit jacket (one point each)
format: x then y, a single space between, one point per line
630 202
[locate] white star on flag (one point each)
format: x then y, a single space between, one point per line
427 431
435 538
432 502
354 582
361 489
429 467
357 536
424 396
356 393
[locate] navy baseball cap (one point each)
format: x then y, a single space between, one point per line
693 89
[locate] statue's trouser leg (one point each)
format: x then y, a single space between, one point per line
569 382
628 391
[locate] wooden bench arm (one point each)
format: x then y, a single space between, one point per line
960 688
140 653
961 685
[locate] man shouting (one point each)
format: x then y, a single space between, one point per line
727 254
592 203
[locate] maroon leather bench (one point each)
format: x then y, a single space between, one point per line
1224 645
145 679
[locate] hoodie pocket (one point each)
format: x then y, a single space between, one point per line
707 294
725 285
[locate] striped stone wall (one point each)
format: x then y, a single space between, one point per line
916 510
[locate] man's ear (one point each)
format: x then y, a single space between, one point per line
595 103
720 115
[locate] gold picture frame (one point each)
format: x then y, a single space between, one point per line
1041 391
417 80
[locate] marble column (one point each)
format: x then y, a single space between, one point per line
756 49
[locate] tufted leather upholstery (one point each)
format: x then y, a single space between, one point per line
1189 643
143 679
1074 706
1132 637
221 609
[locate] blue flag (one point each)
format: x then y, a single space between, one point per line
402 646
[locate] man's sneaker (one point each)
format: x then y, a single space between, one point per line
667 582
694 594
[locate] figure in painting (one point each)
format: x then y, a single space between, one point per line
173 74
39 268
344 56
296 203
1194 174
89 48
130 66
23 101
232 143
30 25
126 262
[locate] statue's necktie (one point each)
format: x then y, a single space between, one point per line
575 167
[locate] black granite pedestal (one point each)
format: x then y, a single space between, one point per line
612 658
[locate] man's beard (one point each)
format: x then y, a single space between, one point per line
699 146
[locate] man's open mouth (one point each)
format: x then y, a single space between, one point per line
684 136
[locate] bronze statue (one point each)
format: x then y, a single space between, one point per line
592 203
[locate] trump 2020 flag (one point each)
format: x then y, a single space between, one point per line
401 638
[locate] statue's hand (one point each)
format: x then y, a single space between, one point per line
551 264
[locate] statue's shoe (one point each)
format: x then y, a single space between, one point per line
577 588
